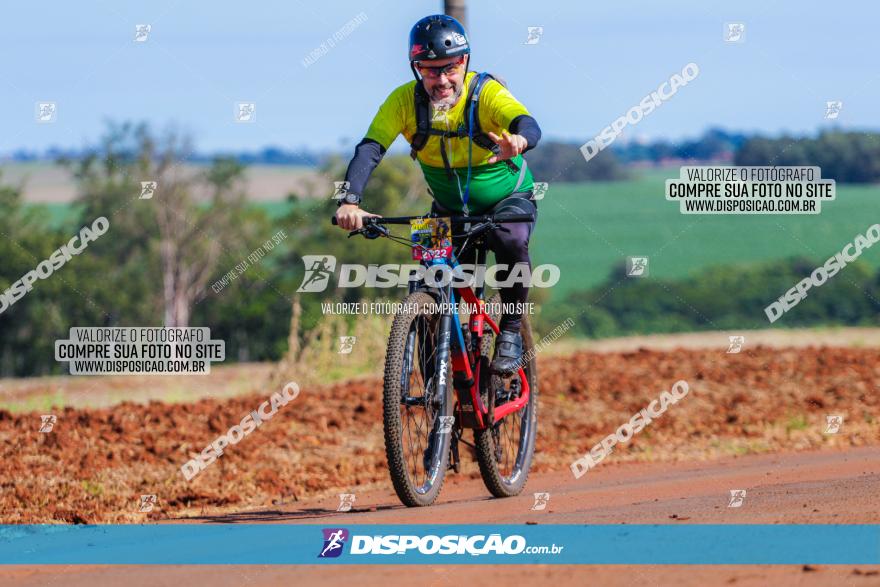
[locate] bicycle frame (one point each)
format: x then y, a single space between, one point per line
466 363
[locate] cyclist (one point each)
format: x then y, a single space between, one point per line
470 168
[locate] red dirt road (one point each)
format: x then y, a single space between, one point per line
769 404
822 487
827 487
96 463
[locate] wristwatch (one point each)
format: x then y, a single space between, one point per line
349 198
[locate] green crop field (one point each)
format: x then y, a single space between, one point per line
586 228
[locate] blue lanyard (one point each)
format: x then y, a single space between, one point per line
467 186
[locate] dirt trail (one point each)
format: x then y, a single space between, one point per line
809 487
766 404
821 487
96 463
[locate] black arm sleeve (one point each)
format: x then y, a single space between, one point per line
528 127
367 156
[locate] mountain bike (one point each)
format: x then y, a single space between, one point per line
438 381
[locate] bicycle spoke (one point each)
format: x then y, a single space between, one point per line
418 416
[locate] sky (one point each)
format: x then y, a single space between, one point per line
592 63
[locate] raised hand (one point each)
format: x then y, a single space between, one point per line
511 145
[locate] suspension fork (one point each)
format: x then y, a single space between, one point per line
408 361
443 357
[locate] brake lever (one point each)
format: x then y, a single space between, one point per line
370 231
374 231
483 227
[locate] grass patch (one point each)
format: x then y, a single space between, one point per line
798 422
586 228
93 488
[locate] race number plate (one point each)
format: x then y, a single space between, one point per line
434 236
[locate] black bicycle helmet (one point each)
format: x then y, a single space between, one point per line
436 37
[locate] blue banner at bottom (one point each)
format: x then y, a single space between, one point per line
280 544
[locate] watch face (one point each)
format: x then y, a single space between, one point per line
351 199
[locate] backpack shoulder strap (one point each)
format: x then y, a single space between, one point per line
423 120
480 138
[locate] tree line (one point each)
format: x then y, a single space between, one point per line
163 251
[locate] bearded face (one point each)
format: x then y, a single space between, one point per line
444 89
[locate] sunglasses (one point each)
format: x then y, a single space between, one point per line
432 72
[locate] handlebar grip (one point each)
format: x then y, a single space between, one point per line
367 220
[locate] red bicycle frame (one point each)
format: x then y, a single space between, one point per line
461 363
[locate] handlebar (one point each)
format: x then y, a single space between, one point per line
499 218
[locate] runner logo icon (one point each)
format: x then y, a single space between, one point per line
334 540
48 422
319 268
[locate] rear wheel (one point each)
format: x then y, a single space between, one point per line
416 445
505 449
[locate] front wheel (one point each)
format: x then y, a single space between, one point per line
505 449
416 401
